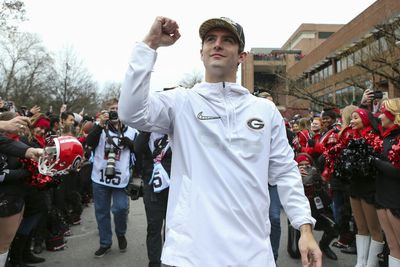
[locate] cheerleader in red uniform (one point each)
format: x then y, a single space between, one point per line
369 239
340 193
388 186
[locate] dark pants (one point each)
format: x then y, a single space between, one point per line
275 219
343 215
156 209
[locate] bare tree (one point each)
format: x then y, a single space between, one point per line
25 68
73 84
191 79
299 88
381 53
11 13
110 90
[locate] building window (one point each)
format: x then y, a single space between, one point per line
366 53
338 66
326 74
344 63
397 34
358 93
326 99
357 57
339 98
350 60
374 47
383 44
324 35
348 95
321 75
330 70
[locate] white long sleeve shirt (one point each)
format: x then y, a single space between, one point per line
227 146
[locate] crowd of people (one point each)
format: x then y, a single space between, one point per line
37 210
36 216
337 172
354 154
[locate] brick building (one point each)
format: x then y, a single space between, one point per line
325 59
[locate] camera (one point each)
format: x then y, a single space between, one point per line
378 94
23 110
110 167
135 188
113 115
7 106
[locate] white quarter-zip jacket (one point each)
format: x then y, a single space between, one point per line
227 146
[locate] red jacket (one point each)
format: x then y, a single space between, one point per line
316 150
303 137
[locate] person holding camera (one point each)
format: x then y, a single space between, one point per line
371 100
112 146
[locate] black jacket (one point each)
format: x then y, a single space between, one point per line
12 148
93 137
388 183
142 150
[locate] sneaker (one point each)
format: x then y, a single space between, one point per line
339 245
67 232
102 251
37 248
75 220
122 243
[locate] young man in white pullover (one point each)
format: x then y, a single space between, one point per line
227 145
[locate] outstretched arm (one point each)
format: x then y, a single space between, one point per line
137 107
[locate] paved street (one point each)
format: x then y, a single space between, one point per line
84 242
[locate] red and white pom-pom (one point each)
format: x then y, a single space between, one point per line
394 154
37 179
375 141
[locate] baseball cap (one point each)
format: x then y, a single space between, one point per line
225 23
264 95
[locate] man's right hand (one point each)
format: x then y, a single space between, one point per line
103 118
367 97
15 125
34 153
163 32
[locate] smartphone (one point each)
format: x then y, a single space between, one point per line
378 94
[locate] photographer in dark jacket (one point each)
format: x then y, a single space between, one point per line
112 145
153 146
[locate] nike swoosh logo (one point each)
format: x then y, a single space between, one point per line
201 117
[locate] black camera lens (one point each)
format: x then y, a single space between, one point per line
113 115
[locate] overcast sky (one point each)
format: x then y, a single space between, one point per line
104 32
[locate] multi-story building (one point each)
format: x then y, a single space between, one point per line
265 68
327 64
